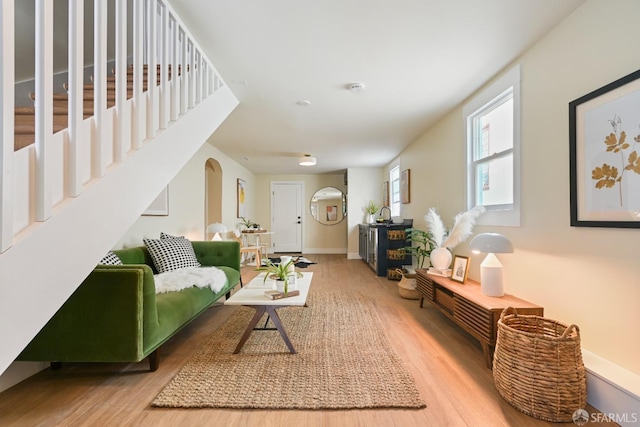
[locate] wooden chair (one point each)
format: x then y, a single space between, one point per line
255 250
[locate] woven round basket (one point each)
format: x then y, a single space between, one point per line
407 286
538 367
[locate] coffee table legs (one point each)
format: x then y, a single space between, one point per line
260 310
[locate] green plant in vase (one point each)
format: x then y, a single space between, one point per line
371 209
424 245
279 272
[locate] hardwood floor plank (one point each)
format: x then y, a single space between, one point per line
446 362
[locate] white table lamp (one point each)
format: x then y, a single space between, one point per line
491 282
216 229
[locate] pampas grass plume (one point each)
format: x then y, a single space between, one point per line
436 227
463 226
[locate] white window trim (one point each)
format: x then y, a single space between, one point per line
510 217
395 164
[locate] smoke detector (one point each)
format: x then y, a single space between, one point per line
356 87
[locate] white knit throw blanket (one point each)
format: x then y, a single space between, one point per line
182 278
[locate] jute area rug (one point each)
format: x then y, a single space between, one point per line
344 361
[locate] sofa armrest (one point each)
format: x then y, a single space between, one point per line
103 320
218 253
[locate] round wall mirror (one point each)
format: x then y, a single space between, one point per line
328 206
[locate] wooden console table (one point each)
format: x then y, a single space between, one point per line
473 311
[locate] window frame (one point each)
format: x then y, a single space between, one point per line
506 214
394 197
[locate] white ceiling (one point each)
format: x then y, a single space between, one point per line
417 58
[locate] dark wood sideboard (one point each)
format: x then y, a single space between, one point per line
469 308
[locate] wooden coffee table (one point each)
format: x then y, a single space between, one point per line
252 295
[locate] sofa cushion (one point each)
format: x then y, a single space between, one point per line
110 259
171 254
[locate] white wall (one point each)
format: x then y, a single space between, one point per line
187 200
586 276
364 184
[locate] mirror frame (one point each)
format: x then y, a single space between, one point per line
335 203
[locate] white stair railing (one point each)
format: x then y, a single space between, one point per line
54 229
39 177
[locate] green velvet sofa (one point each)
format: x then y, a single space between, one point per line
115 315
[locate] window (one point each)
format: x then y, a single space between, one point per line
492 131
394 178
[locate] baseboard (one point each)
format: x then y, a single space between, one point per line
18 372
324 251
352 255
612 390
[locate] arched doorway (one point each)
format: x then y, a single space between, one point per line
212 193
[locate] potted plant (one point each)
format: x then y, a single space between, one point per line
424 245
247 223
371 209
280 273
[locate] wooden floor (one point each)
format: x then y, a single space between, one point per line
447 364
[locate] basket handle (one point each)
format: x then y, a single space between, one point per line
505 312
566 331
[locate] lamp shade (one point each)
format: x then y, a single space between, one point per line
307 160
216 227
491 243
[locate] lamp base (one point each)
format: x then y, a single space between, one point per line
491 283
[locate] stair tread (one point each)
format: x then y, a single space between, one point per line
25 116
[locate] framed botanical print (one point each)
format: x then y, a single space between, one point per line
604 156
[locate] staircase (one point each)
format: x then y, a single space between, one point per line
25 116
79 167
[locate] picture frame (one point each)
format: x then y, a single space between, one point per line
460 268
604 156
160 205
405 186
241 198
385 193
332 213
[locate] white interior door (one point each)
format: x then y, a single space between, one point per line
286 216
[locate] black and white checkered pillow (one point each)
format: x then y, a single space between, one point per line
164 235
110 259
171 254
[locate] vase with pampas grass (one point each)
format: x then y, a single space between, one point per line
445 241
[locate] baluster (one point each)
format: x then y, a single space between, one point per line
184 78
139 124
75 92
152 68
7 84
122 109
164 68
43 106
175 71
99 168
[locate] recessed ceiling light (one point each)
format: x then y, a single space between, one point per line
303 103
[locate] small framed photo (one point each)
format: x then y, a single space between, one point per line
460 268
